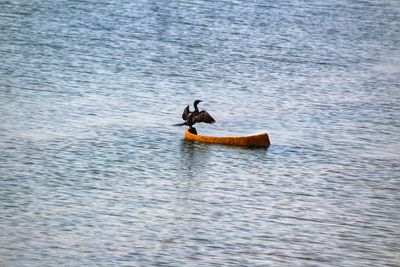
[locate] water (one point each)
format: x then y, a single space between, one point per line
93 174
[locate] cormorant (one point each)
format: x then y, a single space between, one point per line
194 117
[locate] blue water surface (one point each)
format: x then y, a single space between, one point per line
93 174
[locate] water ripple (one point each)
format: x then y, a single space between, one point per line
92 172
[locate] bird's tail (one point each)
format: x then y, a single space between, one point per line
180 124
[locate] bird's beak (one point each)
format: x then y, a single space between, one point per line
200 100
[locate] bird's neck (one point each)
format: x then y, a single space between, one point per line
196 109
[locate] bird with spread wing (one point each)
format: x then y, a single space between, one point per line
190 118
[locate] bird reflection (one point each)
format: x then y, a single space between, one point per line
193 159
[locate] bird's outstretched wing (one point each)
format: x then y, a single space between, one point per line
203 116
185 113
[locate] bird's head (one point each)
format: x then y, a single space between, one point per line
197 102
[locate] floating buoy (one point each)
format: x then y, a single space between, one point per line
254 140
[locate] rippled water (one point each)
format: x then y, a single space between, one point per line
93 174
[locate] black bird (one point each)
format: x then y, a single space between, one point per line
196 116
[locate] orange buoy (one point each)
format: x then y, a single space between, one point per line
254 140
